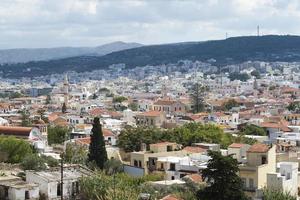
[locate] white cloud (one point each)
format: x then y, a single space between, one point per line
47 23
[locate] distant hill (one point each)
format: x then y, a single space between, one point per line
229 51
42 54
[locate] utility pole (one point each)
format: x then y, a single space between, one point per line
62 176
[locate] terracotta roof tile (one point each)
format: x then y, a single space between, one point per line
236 145
259 148
194 149
197 178
151 113
15 130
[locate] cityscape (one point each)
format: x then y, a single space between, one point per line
121 115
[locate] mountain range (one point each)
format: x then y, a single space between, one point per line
39 54
229 51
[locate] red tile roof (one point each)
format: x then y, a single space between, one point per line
236 145
107 133
194 149
150 114
15 131
87 140
259 148
197 178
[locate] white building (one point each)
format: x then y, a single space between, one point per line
14 188
50 181
285 179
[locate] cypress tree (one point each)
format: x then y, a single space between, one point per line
97 150
222 179
64 108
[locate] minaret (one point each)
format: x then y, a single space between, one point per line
66 90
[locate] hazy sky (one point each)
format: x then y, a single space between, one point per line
49 23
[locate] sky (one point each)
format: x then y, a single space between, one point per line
53 23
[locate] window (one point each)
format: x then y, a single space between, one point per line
27 195
140 163
263 160
172 166
244 182
173 178
135 163
59 189
288 176
251 183
153 162
161 165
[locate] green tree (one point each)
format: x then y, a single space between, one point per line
25 118
14 95
239 76
33 162
57 134
132 138
197 95
119 99
277 195
294 106
15 150
94 96
101 186
97 150
75 154
252 129
48 99
222 179
256 74
64 108
113 166
133 106
228 105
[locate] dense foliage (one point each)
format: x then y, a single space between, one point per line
97 151
36 162
229 51
118 187
294 106
239 76
228 105
277 195
251 129
256 74
13 150
119 99
131 139
25 120
57 134
75 154
64 108
222 179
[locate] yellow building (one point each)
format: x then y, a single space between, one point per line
148 159
261 159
